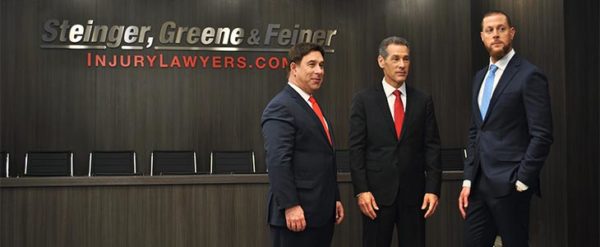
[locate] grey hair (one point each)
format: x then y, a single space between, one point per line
391 40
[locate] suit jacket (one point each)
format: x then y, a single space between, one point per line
300 161
386 166
514 139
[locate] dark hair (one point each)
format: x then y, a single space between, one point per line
496 12
391 40
298 51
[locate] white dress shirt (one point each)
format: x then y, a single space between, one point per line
305 96
391 98
501 64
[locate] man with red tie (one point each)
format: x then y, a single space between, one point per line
394 153
304 200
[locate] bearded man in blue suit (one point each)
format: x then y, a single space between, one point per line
509 141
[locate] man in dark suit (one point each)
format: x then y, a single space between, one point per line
509 140
304 201
394 153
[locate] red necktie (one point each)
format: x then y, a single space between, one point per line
317 109
398 113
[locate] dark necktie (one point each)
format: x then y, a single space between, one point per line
317 109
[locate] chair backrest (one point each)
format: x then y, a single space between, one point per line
453 159
4 161
112 163
227 162
342 160
173 163
49 163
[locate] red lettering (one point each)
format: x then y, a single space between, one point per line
182 61
161 62
138 60
204 60
123 64
175 62
273 63
260 62
229 62
190 61
284 62
100 59
113 63
216 62
241 62
151 59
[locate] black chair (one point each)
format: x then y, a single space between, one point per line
43 164
173 163
4 161
229 162
453 159
342 160
112 163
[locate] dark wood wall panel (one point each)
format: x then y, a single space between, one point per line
445 227
182 215
581 90
52 101
156 214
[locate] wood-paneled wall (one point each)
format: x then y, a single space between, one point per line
209 210
582 39
52 101
49 99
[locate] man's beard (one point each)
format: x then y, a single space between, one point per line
498 54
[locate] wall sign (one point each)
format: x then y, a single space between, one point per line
180 46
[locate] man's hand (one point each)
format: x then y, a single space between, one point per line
463 201
367 204
520 186
339 212
294 218
430 202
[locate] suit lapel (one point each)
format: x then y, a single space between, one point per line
329 127
311 113
383 106
410 102
507 75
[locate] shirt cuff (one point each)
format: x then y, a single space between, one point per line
466 183
521 186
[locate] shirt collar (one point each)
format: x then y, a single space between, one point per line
503 62
389 90
303 94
